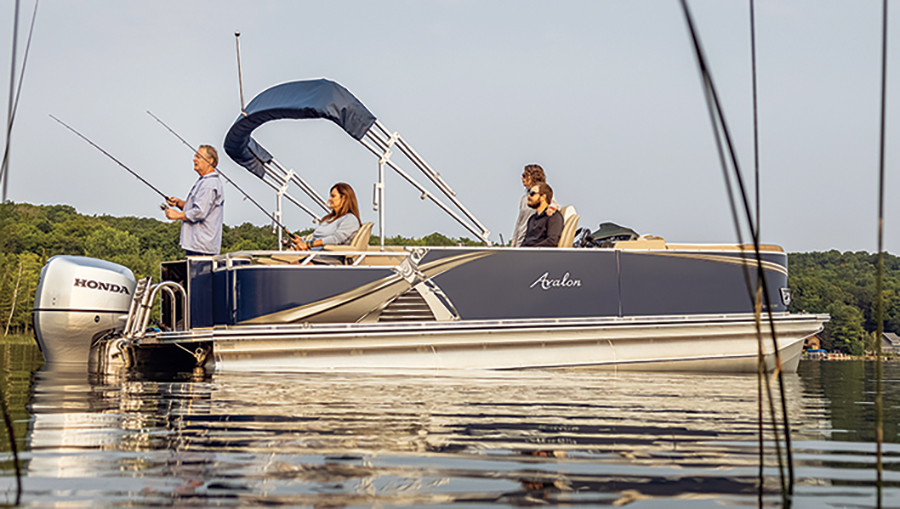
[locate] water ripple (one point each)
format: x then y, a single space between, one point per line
575 438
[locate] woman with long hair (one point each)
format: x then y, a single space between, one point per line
339 225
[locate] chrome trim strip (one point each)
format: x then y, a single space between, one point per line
318 330
123 311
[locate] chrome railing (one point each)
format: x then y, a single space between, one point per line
142 304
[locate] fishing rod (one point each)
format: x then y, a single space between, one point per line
107 154
247 196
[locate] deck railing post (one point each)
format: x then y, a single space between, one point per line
380 203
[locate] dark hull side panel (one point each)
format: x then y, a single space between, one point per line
501 284
201 283
196 276
534 284
273 289
660 284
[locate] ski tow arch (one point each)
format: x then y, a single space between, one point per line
295 100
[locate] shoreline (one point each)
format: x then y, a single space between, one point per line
846 357
18 339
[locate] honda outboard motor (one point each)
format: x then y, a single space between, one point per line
79 300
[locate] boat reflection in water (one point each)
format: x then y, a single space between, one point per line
105 436
416 438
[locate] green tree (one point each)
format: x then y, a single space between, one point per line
108 243
826 281
18 281
433 239
248 237
845 331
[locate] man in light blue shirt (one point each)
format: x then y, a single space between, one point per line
203 211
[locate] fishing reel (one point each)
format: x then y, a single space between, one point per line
287 241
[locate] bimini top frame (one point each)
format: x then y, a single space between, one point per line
328 100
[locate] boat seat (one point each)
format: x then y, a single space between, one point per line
643 242
358 243
567 212
569 226
268 261
282 258
382 261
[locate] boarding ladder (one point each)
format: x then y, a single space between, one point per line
142 303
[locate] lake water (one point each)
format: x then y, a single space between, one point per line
530 438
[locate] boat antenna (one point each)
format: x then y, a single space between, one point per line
107 154
237 45
247 196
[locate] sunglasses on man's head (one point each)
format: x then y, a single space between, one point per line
532 193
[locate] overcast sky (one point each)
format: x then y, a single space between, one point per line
605 95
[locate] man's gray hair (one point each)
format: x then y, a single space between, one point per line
211 155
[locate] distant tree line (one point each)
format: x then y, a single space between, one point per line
843 285
31 234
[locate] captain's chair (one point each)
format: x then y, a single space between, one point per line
569 226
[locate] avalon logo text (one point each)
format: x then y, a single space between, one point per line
546 282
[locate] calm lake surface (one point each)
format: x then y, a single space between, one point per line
532 438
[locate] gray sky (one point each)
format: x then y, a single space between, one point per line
605 95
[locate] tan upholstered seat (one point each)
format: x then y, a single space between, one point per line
567 212
571 224
359 241
281 258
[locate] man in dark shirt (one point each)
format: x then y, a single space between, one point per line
543 230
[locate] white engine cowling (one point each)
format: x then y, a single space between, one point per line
77 299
